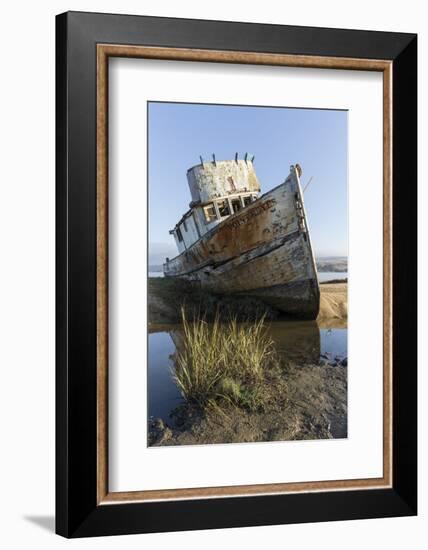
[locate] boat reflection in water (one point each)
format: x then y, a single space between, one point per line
299 342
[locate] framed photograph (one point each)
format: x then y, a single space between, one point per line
236 274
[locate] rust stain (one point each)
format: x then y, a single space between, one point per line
232 183
252 213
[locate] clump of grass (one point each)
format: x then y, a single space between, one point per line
224 362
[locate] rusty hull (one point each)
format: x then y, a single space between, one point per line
262 251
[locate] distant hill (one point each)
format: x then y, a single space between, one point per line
158 252
334 264
155 268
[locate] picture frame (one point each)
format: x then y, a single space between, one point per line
84 44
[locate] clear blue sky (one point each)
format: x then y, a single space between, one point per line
278 137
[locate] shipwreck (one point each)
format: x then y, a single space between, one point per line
233 240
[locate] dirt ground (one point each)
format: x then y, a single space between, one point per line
307 402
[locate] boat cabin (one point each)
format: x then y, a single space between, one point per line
218 190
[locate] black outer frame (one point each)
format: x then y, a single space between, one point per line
77 513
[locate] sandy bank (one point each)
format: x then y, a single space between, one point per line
333 303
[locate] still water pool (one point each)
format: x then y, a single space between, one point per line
300 342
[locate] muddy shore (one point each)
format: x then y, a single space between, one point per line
308 402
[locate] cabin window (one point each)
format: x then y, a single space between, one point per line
184 225
236 205
248 200
179 235
223 208
210 213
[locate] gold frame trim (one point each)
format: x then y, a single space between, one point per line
104 51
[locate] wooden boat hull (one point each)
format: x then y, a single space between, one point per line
263 251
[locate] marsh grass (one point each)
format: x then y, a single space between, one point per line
224 362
